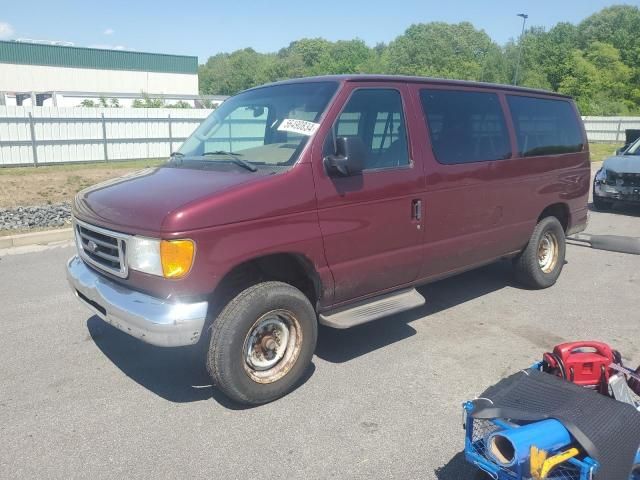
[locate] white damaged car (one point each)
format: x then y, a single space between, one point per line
619 179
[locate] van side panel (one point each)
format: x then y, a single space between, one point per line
477 212
546 180
528 186
463 214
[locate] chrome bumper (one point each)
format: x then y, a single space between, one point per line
152 320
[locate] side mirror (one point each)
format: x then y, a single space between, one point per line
349 157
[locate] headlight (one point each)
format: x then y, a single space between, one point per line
143 255
164 258
601 176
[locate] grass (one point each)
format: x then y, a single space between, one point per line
600 151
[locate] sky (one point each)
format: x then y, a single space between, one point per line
204 28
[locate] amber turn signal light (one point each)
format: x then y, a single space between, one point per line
176 257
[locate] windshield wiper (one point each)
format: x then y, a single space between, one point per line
222 152
235 158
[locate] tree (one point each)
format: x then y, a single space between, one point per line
102 102
310 53
179 104
561 40
347 57
618 26
147 102
596 61
441 50
598 80
227 74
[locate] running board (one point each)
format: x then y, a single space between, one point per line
373 309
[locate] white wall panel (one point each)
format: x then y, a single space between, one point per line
609 129
135 133
76 134
26 78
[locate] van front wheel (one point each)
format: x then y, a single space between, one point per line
540 263
262 342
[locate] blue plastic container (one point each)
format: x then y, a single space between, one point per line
512 446
635 475
477 434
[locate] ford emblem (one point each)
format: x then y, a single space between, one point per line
92 246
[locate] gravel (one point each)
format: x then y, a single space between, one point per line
42 216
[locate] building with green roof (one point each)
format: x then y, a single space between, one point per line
49 74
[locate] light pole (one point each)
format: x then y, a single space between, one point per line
524 23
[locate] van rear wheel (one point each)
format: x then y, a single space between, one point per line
262 342
539 265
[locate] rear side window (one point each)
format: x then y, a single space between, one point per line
544 126
465 127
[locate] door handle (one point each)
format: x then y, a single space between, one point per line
416 210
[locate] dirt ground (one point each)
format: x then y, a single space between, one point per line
31 186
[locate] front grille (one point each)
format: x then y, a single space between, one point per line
630 179
102 248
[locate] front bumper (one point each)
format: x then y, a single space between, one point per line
619 193
152 320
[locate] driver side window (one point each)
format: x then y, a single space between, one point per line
376 116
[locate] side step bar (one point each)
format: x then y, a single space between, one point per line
373 309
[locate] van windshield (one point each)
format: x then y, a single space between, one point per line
264 126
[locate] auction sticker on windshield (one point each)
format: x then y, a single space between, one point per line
301 127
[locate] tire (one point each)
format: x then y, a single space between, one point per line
600 203
531 268
262 343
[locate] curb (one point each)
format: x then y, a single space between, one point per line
36 238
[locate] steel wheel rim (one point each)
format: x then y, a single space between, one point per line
272 346
548 252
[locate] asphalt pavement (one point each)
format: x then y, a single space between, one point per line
79 399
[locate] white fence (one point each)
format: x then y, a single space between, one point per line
44 135
609 129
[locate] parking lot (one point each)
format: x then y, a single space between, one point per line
79 399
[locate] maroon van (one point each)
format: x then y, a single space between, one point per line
328 200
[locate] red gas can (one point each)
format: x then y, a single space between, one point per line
583 363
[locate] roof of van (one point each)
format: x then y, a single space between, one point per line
415 79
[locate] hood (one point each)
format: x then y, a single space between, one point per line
623 164
140 202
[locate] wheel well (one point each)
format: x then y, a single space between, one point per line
294 269
558 210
